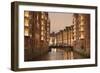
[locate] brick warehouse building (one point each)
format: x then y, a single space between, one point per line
65 37
82 33
36 34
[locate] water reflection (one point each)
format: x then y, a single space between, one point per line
59 54
53 50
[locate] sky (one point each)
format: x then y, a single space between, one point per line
58 21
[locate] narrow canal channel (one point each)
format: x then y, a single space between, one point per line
59 54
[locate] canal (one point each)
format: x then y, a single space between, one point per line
59 54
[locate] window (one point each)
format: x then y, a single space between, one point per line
42 28
42 33
82 23
37 17
82 17
26 14
42 22
81 35
26 22
45 17
26 33
81 28
42 16
42 38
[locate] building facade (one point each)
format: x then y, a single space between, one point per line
36 34
82 33
65 37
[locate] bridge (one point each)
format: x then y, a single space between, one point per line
64 47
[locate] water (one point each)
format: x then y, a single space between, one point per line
59 54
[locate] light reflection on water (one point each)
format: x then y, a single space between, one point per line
53 50
60 54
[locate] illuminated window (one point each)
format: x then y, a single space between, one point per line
82 17
37 17
74 27
81 35
74 31
42 33
26 13
42 22
42 28
42 38
38 25
42 16
81 23
71 40
81 29
26 33
45 17
26 22
74 39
